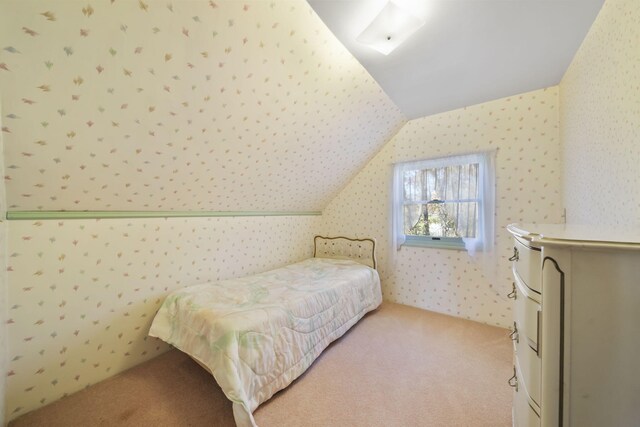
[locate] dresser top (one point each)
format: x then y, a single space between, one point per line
577 235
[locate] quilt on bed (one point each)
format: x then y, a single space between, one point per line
258 333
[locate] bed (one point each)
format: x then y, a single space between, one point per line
257 334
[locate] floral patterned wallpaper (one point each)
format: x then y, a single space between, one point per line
182 105
524 130
83 292
4 336
600 120
3 285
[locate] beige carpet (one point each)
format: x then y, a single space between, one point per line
399 366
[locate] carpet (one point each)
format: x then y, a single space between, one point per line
399 366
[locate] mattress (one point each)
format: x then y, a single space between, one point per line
257 334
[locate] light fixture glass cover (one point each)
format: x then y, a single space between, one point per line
392 26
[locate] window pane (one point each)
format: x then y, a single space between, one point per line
412 215
466 215
441 219
414 185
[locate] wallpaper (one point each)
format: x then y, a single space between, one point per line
524 130
4 338
83 292
3 285
182 105
600 121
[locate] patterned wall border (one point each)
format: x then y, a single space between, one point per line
42 215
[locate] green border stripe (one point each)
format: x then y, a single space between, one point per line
35 215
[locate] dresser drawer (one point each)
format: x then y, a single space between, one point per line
527 264
530 374
524 414
527 313
526 340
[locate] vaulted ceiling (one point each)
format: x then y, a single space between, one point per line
181 105
468 51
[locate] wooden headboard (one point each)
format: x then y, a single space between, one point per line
339 247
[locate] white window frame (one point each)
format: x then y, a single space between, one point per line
485 228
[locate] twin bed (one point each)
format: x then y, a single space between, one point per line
257 334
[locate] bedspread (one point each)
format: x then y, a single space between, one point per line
257 334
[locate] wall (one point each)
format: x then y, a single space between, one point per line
83 292
524 130
600 121
4 336
182 105
4 339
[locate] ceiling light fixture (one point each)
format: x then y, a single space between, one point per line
392 26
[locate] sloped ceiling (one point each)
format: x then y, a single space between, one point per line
469 51
181 105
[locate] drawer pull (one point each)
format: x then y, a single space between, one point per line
539 326
513 294
516 255
514 334
513 381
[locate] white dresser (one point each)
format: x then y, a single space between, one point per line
576 329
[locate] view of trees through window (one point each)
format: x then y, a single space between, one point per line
441 202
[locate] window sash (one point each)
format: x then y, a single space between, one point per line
435 242
441 182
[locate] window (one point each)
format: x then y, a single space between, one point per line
440 204
446 203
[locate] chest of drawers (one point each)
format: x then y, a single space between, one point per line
576 329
